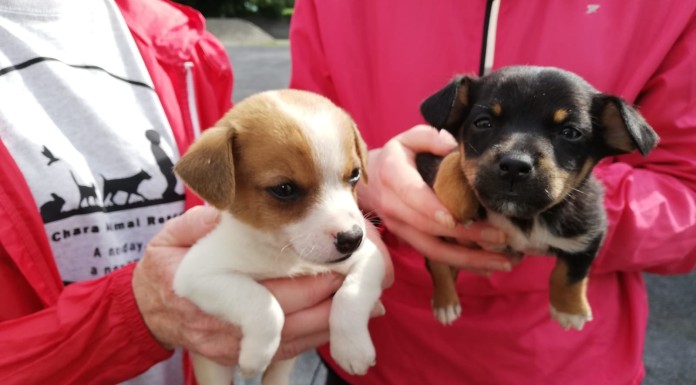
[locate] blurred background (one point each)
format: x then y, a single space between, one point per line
242 8
271 15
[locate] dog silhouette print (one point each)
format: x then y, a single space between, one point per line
128 185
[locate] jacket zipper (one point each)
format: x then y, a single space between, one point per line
490 27
191 100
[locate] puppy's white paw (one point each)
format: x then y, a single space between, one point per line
354 353
448 314
567 320
255 358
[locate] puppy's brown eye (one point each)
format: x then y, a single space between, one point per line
354 177
483 123
571 133
284 191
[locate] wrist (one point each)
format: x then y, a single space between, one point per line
129 310
147 307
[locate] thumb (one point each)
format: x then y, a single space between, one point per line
186 229
297 293
424 138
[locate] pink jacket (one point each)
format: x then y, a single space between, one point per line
92 332
379 60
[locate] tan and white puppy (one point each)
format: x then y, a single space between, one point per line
282 167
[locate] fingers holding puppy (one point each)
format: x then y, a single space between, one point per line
410 209
172 320
396 189
454 254
306 302
175 321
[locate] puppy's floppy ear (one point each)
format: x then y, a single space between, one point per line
361 148
208 166
622 127
448 107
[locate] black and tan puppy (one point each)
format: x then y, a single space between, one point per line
528 140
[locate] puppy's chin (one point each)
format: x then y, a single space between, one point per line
524 205
511 209
522 199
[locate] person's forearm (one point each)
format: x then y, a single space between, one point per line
652 222
94 334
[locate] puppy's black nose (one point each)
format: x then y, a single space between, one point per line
349 241
515 167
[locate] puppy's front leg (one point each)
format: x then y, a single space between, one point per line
568 290
242 301
446 306
279 372
351 345
209 372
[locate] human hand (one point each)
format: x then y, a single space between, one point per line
175 321
410 209
307 328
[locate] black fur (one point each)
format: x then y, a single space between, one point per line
427 165
508 125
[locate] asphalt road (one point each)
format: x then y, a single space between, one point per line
670 352
259 69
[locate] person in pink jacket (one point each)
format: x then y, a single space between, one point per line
97 100
380 60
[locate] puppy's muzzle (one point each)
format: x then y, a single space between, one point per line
348 241
515 167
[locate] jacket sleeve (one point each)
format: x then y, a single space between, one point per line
94 334
309 70
651 202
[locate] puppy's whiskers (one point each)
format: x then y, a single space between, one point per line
282 249
372 217
307 248
578 191
470 148
291 242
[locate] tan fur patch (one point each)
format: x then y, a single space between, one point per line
460 102
571 181
585 170
583 173
208 168
444 282
615 132
266 148
566 297
496 108
271 150
453 189
355 152
354 147
361 150
558 179
560 115
463 93
470 168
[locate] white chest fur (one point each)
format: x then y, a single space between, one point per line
538 239
220 274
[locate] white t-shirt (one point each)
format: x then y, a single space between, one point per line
79 114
